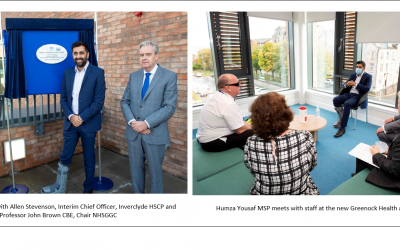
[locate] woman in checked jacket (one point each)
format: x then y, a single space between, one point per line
280 159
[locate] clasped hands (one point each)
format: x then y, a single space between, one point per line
350 83
76 120
140 127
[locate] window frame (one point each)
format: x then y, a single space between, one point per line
246 54
310 58
247 71
290 44
339 71
379 80
218 49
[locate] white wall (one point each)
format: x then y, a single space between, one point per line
300 53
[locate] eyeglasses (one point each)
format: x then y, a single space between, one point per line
235 84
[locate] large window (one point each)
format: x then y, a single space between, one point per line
203 82
385 77
322 36
270 54
259 51
382 60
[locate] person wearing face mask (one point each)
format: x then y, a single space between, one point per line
358 84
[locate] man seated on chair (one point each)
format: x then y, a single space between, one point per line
388 131
221 125
358 84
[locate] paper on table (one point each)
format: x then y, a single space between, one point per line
362 152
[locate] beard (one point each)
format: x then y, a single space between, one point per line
81 63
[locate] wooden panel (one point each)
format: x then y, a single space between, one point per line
246 88
349 34
229 40
231 48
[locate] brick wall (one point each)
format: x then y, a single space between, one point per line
119 36
39 149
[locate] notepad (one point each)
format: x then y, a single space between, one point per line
362 152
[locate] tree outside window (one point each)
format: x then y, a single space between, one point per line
270 54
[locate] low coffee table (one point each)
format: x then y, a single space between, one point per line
312 125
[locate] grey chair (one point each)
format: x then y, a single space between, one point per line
363 98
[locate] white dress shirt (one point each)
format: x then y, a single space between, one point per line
219 117
153 71
357 81
79 75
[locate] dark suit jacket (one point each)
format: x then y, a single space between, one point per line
394 125
363 86
388 174
91 97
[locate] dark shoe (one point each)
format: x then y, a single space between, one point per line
88 192
352 175
340 132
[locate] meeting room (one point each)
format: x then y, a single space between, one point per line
296 103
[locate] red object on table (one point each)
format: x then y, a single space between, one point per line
303 114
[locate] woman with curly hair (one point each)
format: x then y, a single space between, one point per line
280 159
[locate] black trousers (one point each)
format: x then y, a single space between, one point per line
232 141
361 165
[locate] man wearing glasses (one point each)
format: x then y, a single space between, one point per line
221 125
